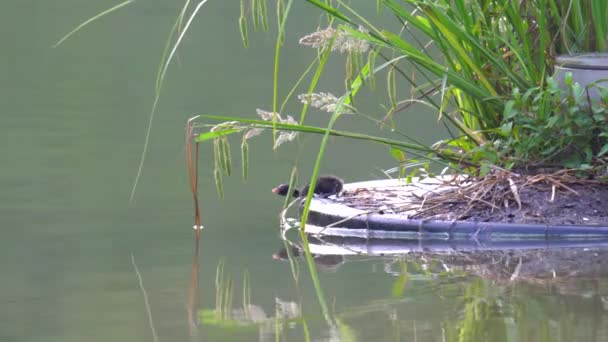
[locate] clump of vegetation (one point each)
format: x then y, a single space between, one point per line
554 127
484 66
582 25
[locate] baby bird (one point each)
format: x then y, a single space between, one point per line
325 187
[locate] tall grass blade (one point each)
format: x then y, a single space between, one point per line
331 10
316 77
225 156
180 38
243 25
296 85
304 215
293 177
245 159
217 176
90 20
361 18
181 16
161 75
391 88
599 14
319 130
282 14
263 14
255 15
217 170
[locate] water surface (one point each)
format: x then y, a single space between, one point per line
73 124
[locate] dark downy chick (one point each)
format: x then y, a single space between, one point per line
325 187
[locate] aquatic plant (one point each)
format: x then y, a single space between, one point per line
483 66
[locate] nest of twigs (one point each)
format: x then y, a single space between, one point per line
500 196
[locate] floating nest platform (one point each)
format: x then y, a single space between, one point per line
502 205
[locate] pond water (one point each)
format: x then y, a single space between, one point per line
74 121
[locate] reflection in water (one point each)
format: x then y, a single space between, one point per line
482 293
460 293
427 289
325 263
528 261
145 295
232 318
194 290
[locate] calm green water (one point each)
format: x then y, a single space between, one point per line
73 125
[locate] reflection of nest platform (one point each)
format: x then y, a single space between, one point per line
379 219
558 261
390 209
335 245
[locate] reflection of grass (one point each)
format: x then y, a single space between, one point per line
472 309
224 315
145 295
345 332
401 282
488 316
477 314
210 317
223 293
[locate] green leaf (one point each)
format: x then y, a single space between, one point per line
509 111
552 121
505 129
216 134
603 150
307 129
568 79
398 154
456 44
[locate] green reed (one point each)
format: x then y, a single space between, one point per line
582 25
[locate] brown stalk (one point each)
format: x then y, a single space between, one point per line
193 175
193 293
